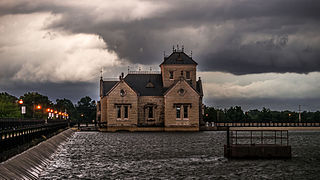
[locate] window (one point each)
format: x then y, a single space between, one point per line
122 93
178 112
181 73
188 75
119 112
150 114
185 112
126 113
171 74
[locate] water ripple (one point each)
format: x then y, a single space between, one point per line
94 155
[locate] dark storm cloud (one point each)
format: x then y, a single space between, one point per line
69 90
217 32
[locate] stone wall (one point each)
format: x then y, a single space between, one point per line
165 69
188 98
114 99
157 103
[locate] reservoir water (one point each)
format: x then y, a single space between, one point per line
164 155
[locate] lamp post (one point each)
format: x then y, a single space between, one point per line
23 108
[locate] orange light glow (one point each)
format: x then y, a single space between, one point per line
56 112
20 101
38 107
48 110
59 113
51 110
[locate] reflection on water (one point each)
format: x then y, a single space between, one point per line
164 155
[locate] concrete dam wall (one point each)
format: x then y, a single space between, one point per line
30 163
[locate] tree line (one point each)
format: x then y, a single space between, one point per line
236 114
37 106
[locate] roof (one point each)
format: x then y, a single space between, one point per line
199 87
145 84
178 58
107 86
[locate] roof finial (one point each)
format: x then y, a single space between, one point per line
191 54
178 47
182 48
101 73
128 69
173 48
164 54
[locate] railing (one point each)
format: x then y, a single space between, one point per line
11 124
267 124
144 72
16 132
253 137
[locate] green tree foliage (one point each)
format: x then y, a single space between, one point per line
86 107
8 106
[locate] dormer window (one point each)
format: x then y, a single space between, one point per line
171 74
149 85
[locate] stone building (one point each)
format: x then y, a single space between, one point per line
170 100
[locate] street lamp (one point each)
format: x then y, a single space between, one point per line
23 108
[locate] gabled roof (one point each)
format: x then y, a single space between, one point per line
141 84
178 58
174 84
107 86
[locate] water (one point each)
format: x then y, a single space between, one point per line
162 155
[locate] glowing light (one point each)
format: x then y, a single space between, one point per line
20 101
38 107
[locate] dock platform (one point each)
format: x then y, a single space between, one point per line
251 144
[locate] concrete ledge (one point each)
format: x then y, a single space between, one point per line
30 163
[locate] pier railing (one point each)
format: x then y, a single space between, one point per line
254 137
16 132
263 124
257 144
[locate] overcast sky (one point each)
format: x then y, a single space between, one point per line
252 53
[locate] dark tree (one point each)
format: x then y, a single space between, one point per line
63 105
86 108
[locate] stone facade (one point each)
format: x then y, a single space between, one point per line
169 101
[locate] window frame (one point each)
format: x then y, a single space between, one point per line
150 108
171 75
125 112
119 112
185 111
178 112
188 75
